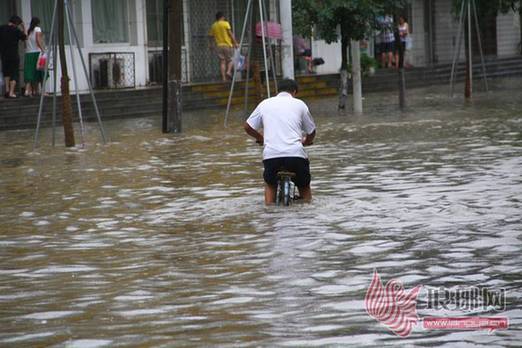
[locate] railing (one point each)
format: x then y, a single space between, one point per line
112 70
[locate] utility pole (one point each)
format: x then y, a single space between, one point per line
256 52
66 99
469 65
356 77
402 77
172 70
285 8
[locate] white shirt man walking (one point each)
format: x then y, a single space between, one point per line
287 127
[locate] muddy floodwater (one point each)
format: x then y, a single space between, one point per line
163 240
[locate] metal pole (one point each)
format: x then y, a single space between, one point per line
456 55
80 116
46 70
479 39
470 52
98 117
272 62
245 22
55 79
264 47
248 61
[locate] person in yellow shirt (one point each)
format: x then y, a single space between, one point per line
224 43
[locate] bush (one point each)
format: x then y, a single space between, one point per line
368 62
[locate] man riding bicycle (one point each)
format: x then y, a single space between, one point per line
287 127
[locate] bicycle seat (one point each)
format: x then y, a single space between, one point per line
284 173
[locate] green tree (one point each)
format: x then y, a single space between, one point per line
343 20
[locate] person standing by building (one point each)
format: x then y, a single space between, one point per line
224 43
10 35
34 47
387 41
404 31
303 51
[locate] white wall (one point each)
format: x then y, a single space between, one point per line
331 53
446 29
508 34
417 55
83 25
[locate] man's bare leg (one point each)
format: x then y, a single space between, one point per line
305 193
230 67
390 59
270 194
12 85
223 67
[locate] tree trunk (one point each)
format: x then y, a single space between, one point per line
356 78
66 98
343 85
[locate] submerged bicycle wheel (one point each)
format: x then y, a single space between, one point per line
286 192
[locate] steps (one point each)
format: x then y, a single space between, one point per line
132 103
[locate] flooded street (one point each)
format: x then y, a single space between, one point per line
163 240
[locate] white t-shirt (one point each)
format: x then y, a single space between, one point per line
284 120
32 46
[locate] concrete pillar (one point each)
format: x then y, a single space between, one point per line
285 8
356 77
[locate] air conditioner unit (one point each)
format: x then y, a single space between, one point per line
110 73
156 68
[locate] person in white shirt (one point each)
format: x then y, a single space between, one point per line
287 127
34 47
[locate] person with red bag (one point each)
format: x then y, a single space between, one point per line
35 58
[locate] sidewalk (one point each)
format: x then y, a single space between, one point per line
133 103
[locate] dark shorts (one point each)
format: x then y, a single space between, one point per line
386 47
298 165
10 67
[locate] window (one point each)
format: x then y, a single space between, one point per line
155 22
43 9
110 21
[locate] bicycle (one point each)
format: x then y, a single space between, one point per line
285 193
285 188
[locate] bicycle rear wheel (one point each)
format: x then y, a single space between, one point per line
286 192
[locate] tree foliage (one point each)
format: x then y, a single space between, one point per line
354 18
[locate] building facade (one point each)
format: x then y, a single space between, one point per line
434 29
121 39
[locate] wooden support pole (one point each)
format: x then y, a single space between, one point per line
66 98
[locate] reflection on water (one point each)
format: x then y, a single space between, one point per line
163 239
